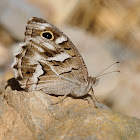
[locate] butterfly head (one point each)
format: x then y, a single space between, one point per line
93 81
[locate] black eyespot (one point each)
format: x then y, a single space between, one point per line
28 72
48 34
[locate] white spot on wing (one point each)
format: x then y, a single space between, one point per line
36 57
35 76
14 63
49 46
41 26
61 39
18 49
39 48
40 40
15 72
60 57
37 73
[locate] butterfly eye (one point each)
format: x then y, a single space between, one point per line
48 34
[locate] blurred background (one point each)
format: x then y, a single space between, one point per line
104 31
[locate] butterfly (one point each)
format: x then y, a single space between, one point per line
48 61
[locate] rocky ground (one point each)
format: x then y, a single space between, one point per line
30 115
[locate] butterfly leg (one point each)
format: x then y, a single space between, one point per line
64 97
95 101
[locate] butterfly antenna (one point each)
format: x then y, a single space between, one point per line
107 73
99 74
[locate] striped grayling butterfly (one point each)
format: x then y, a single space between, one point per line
48 61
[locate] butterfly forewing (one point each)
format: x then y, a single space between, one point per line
36 25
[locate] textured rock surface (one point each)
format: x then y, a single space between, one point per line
30 115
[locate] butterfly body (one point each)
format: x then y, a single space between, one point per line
48 61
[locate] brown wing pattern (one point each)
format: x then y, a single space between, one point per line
46 63
33 29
